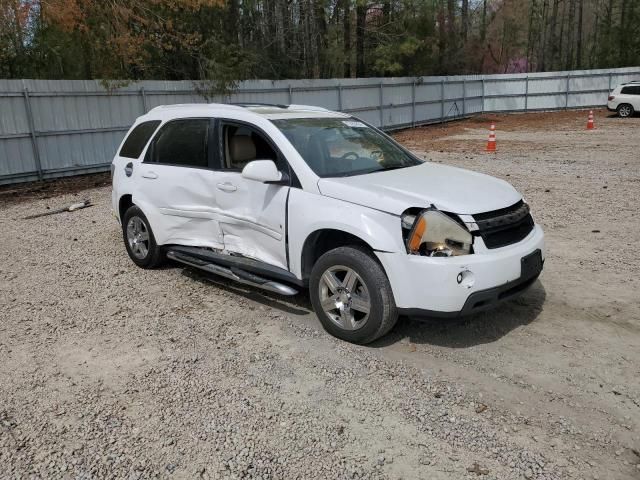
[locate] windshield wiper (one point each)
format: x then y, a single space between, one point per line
368 170
395 167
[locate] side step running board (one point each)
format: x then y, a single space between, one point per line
232 273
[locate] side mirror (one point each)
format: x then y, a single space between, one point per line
264 171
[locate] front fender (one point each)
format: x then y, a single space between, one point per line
309 212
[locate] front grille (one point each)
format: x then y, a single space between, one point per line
505 226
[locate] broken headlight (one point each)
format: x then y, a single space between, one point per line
435 234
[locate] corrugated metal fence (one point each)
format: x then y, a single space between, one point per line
51 128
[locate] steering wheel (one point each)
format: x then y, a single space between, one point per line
377 155
353 155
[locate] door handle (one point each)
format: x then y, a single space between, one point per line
150 175
227 187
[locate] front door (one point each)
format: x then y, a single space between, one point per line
177 185
252 214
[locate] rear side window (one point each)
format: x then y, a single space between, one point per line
634 90
182 142
138 138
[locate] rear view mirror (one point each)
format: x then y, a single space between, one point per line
264 171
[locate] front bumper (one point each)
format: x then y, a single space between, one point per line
430 286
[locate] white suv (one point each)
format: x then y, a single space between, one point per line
625 99
290 197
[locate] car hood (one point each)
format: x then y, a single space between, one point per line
449 189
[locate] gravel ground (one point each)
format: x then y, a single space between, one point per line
112 371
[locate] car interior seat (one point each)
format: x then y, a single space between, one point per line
242 150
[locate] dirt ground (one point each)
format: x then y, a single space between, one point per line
112 371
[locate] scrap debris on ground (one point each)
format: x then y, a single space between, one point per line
113 371
69 208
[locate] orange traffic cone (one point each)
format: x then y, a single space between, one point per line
491 144
590 125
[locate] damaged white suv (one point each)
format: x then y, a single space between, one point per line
290 197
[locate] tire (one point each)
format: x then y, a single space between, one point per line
139 239
345 302
625 110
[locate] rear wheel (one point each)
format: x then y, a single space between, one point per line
625 110
139 240
351 295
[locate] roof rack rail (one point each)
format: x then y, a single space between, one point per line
258 104
311 108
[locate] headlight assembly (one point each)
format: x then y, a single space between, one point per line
435 234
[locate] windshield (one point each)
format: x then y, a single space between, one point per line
338 147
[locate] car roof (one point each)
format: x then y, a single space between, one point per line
268 111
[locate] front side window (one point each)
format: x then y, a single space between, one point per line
182 142
338 147
138 138
243 144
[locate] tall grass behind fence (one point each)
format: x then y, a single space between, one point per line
55 128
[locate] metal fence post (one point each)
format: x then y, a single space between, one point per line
464 96
413 102
566 96
483 94
526 92
381 106
442 100
34 137
340 97
610 81
144 100
290 95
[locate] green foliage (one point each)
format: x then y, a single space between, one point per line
216 43
393 58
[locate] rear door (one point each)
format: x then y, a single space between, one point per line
633 95
253 214
176 184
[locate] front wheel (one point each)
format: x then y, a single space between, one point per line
625 110
139 240
351 295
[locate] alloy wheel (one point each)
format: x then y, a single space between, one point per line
138 237
344 297
624 111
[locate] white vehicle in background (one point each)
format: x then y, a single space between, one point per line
290 197
625 99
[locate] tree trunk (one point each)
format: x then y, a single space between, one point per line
543 43
361 18
622 51
561 36
579 43
321 37
553 37
451 26
346 36
570 35
465 19
530 34
483 24
386 12
442 41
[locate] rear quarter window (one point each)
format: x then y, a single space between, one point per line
633 90
138 138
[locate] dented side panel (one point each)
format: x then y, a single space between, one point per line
252 219
180 204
